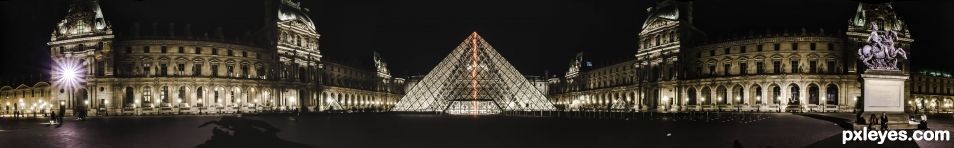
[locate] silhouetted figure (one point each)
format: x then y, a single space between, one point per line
884 121
873 121
52 117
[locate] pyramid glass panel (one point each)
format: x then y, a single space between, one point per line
473 79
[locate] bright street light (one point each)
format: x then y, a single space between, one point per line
68 72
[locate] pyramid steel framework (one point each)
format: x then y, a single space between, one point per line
473 79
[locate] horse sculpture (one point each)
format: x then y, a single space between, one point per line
880 52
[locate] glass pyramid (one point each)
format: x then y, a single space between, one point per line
473 79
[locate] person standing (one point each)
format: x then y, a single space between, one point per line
884 121
53 117
873 121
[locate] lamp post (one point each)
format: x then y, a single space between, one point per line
106 107
178 106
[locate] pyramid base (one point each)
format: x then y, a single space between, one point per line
472 107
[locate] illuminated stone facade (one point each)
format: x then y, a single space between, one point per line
675 70
173 70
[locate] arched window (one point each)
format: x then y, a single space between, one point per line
813 94
146 95
758 94
692 96
164 95
794 98
706 96
738 93
831 95
723 95
128 99
182 96
198 97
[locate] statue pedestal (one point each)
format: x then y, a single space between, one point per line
883 94
883 91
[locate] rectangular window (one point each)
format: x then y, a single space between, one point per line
180 69
215 70
742 49
711 70
727 49
813 66
244 73
162 49
759 67
181 49
244 54
229 52
163 70
776 67
831 46
215 51
198 50
711 52
229 69
812 46
197 70
795 66
146 68
758 47
743 68
260 71
777 46
831 66
145 49
795 46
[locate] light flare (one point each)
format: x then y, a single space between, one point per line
69 72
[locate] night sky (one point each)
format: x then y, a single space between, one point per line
413 36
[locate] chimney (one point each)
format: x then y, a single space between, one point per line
155 29
172 29
188 30
218 33
135 29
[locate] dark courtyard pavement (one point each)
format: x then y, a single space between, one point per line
417 130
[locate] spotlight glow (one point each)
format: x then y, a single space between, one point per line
68 72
